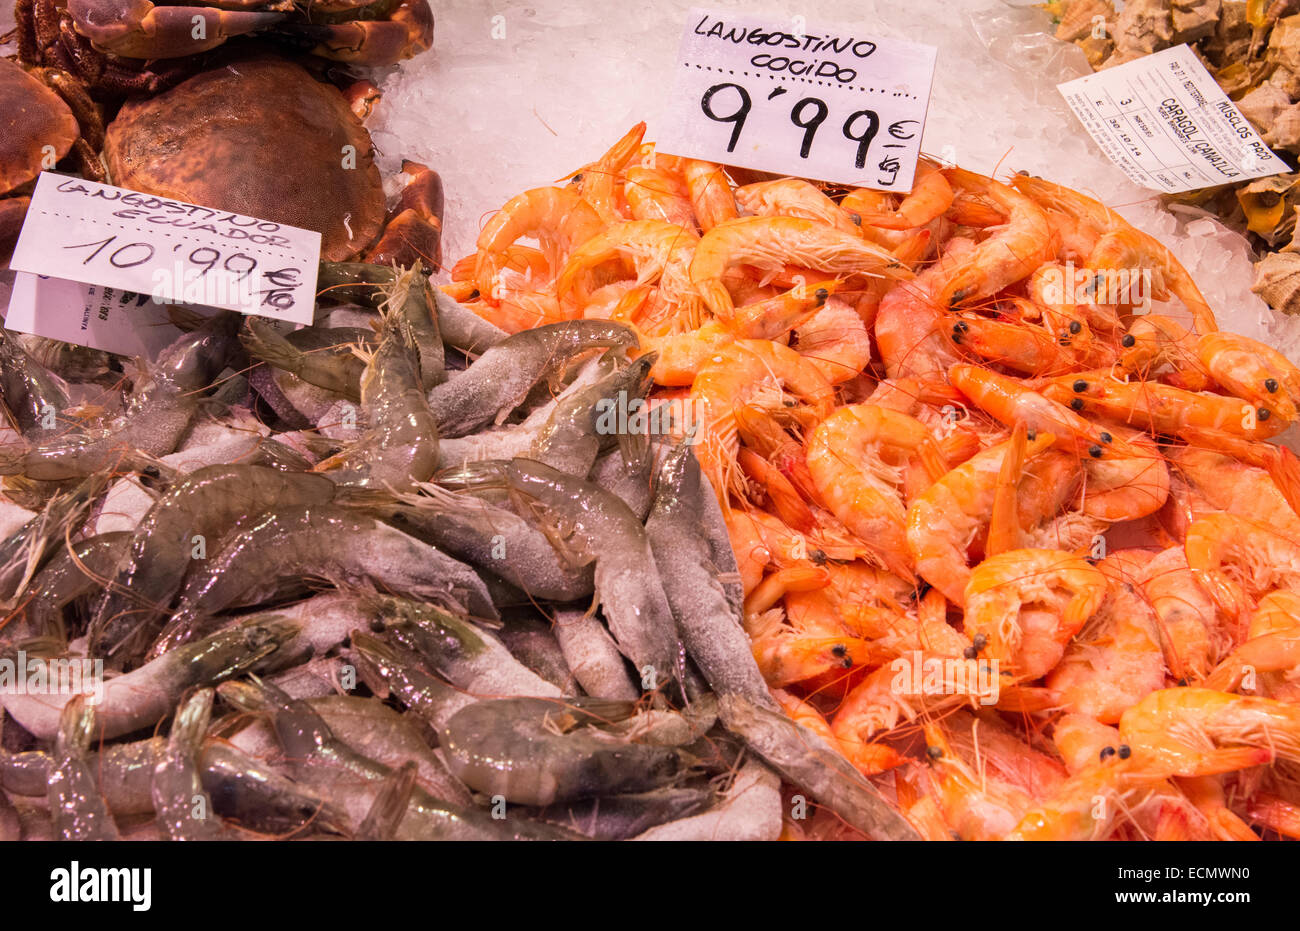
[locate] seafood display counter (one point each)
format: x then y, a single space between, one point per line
546 427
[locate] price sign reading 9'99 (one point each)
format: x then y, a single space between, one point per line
799 98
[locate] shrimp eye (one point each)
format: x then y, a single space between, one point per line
1106 437
821 295
1031 435
1124 752
1264 413
1094 451
970 653
1128 341
980 641
838 650
1063 341
961 325
1107 752
1080 385
818 557
956 335
473 295
1270 384
857 220
934 753
1075 326
1076 404
576 178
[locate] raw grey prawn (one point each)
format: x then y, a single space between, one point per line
144 696
272 554
539 751
196 511
500 379
628 585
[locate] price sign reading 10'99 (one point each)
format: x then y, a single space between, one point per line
798 98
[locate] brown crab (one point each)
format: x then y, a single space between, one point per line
262 137
119 46
45 120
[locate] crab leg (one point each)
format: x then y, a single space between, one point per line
415 231
138 29
406 32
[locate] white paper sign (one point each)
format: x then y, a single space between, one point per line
812 100
173 251
1168 124
90 315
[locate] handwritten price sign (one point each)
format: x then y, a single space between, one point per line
796 98
170 250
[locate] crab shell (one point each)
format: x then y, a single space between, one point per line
31 117
261 138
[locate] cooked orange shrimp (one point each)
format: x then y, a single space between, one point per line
1276 814
1225 550
1027 604
1116 658
835 340
931 195
782 495
1251 371
910 321
792 197
1074 241
1091 804
1102 219
787 655
1154 341
784 546
1011 402
1226 481
943 522
1008 255
1083 741
864 601
1126 487
876 705
659 253
1191 633
710 193
1206 793
656 194
516 311
772 243
601 182
1074 322
1201 732
681 355
1158 408
745 371
855 457
1024 347
558 218
976 804
774 317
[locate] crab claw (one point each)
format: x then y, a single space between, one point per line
415 231
138 29
406 32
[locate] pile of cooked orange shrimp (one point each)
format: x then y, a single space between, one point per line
1011 533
